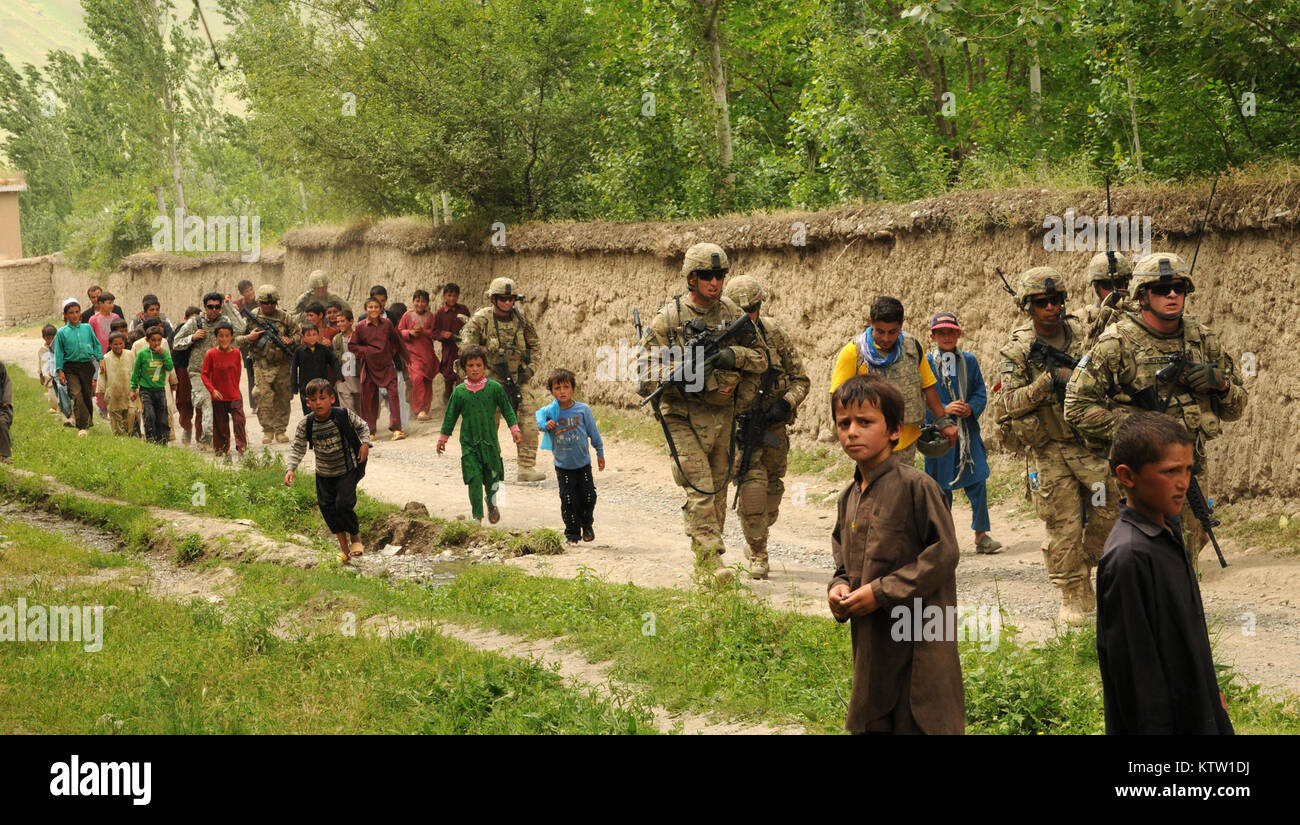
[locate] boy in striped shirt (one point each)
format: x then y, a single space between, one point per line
341 442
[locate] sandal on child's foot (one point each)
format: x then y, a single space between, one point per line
357 549
343 557
494 514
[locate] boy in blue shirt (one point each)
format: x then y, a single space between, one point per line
567 426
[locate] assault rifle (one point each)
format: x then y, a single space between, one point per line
1051 357
270 332
702 344
751 429
1147 399
513 393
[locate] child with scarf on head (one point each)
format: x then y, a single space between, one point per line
961 389
884 349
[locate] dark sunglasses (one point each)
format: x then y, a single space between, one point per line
510 298
710 274
1178 287
1055 299
213 306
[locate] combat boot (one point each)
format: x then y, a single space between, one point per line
709 566
1089 594
1073 603
758 564
529 474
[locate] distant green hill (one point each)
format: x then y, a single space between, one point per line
30 28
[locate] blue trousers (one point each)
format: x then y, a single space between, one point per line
977 495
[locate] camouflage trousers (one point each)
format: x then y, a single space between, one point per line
761 490
702 439
1073 481
526 415
272 394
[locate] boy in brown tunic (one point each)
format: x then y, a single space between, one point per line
895 553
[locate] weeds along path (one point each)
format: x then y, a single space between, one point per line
551 654
169 580
1254 604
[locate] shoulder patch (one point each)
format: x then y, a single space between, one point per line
1083 362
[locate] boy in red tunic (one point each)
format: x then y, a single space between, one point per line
447 322
222 367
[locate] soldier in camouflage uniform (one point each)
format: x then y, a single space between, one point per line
1074 495
1125 360
274 389
506 335
317 293
699 419
1109 274
761 488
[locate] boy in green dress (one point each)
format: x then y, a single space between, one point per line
476 401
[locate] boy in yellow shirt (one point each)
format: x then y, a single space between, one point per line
884 349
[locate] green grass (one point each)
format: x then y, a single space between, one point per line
146 474
1274 530
167 667
631 425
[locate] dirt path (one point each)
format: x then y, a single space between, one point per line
1255 603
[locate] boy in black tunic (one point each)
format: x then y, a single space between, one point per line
1157 671
311 361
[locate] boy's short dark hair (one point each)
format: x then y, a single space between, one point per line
221 326
887 309
873 390
471 352
243 285
316 307
420 293
336 303
378 289
398 308
372 298
151 331
117 323
191 311
316 386
151 322
311 328
562 376
105 296
1142 437
48 330
116 336
93 288
451 286
214 296
150 300
346 313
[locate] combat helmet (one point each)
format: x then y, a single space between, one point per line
1160 266
707 256
267 294
502 287
1099 267
317 279
1041 280
933 443
746 291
